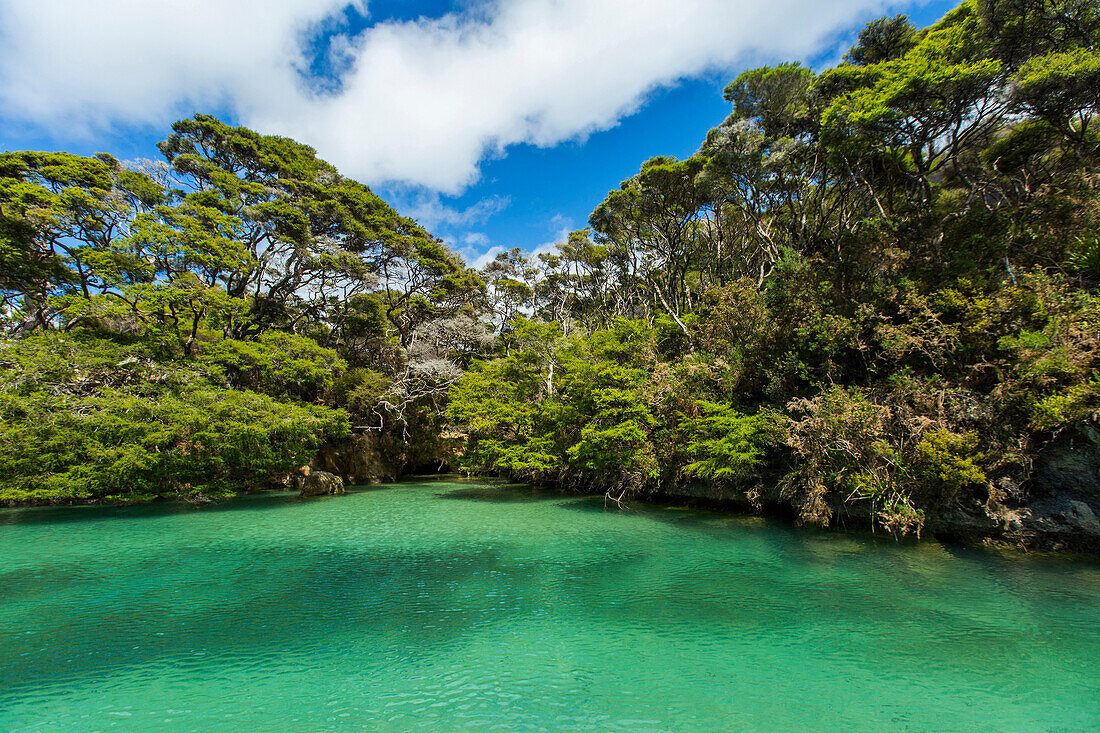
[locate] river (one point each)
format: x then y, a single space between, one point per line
445 604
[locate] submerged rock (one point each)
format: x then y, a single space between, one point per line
320 483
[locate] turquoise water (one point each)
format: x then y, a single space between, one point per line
449 605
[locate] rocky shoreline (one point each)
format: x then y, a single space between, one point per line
1055 508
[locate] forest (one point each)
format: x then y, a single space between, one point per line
872 292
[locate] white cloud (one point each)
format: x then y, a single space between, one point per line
560 221
428 208
66 62
475 250
478 260
454 224
420 102
551 245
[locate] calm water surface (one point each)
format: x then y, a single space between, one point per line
450 605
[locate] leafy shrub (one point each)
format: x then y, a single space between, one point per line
90 419
725 443
948 463
1077 402
277 363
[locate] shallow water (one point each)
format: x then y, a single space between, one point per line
449 605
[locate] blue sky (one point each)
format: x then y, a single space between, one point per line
497 124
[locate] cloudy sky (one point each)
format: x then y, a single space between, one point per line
497 124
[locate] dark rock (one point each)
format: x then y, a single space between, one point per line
1072 464
359 458
1082 516
320 483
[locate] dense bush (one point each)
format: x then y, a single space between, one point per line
87 418
874 287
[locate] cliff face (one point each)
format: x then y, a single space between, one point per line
360 458
372 457
1064 495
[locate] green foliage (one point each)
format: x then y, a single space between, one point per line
873 280
1017 30
1084 254
547 405
844 439
878 282
1059 84
279 364
249 263
777 97
88 419
358 390
495 402
949 462
727 444
884 39
1075 404
916 104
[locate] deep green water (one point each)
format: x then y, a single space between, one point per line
446 605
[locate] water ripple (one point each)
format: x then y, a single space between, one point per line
458 605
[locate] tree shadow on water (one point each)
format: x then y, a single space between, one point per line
503 493
247 502
298 601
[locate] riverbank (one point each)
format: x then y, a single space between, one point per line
1057 521
1056 524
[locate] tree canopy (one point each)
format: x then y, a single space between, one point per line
871 289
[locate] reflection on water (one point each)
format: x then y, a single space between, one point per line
463 604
